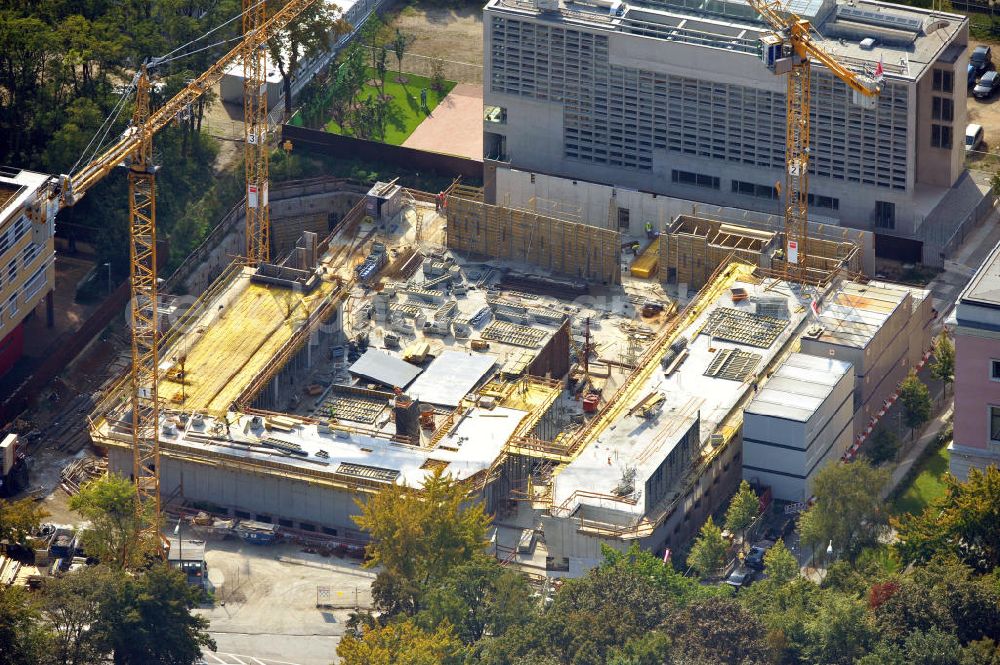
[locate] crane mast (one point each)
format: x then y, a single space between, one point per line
258 223
144 319
789 51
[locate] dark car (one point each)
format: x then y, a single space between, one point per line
987 85
740 578
981 58
755 558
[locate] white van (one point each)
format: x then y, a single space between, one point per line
973 137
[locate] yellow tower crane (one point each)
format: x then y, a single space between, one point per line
136 149
787 51
258 222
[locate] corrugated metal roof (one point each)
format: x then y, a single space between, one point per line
798 387
380 367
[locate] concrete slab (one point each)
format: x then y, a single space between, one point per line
455 127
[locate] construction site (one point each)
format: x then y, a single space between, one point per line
584 404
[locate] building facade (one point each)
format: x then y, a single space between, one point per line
976 322
801 421
27 257
671 100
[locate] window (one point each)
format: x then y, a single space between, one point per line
751 189
944 81
995 424
885 215
12 270
995 370
943 108
695 179
941 136
820 201
623 216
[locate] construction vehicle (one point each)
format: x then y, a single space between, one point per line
787 51
135 149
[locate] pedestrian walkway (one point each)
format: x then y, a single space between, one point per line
913 454
455 127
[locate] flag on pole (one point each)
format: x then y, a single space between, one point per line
814 305
879 71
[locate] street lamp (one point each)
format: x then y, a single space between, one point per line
180 545
108 266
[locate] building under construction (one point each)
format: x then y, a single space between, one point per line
513 350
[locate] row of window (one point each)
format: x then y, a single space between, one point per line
695 179
941 136
14 233
610 109
28 254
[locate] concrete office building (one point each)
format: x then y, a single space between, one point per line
671 98
27 257
976 322
798 423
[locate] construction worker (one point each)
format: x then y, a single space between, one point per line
439 202
649 230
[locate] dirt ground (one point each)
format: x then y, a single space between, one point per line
451 34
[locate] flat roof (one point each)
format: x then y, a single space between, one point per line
380 367
450 377
633 442
798 387
907 39
470 446
854 312
984 287
17 187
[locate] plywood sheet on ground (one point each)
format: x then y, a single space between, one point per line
455 127
237 342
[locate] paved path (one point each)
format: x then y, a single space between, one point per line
456 125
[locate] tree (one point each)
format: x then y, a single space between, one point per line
965 522
23 638
943 367
399 45
680 589
417 536
882 446
19 520
849 510
401 643
118 534
780 564
371 35
837 632
437 76
743 508
381 69
478 597
311 33
717 630
147 619
71 605
916 400
708 554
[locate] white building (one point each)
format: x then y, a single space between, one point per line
799 422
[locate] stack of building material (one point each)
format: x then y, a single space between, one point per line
8 570
81 471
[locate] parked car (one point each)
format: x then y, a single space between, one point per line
755 558
973 137
741 577
981 58
987 85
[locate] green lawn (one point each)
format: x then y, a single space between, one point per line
405 113
927 486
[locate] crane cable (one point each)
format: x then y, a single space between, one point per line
115 112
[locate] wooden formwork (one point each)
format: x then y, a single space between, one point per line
692 248
570 248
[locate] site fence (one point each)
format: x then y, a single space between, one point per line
424 65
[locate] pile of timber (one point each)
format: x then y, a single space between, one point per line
81 471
